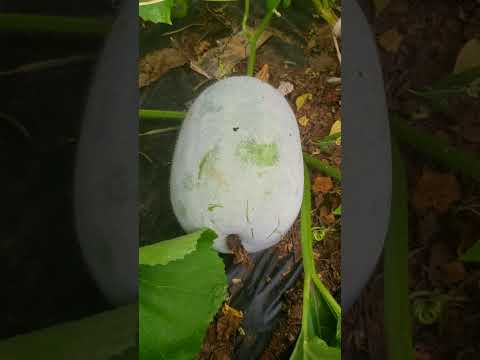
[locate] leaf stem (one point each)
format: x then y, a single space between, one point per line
397 306
253 39
322 167
148 114
54 24
245 15
438 150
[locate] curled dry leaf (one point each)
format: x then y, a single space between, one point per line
436 191
285 87
264 73
303 121
220 61
155 64
326 217
322 184
390 41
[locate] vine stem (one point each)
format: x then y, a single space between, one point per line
54 24
160 114
322 167
252 41
245 15
465 163
398 328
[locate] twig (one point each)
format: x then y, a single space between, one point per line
160 131
47 64
14 122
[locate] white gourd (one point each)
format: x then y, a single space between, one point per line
238 166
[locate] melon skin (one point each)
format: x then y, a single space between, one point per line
237 166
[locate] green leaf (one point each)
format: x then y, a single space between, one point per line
328 141
163 252
178 300
338 211
472 254
99 337
271 4
157 11
320 336
286 3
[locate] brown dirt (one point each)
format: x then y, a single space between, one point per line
419 42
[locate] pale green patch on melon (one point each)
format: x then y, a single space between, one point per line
206 165
260 154
188 182
212 207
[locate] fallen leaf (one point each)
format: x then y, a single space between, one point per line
202 47
285 87
468 57
263 74
390 40
231 311
322 184
454 272
303 121
155 64
436 191
220 61
335 129
326 217
300 101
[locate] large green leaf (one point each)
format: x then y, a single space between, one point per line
169 250
178 300
157 11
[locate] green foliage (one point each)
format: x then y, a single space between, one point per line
320 337
438 95
327 142
472 254
162 11
182 283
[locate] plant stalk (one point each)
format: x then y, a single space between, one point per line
438 150
252 54
397 316
160 114
322 167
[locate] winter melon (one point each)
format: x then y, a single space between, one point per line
237 166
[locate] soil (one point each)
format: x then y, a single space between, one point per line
299 62
44 279
419 42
